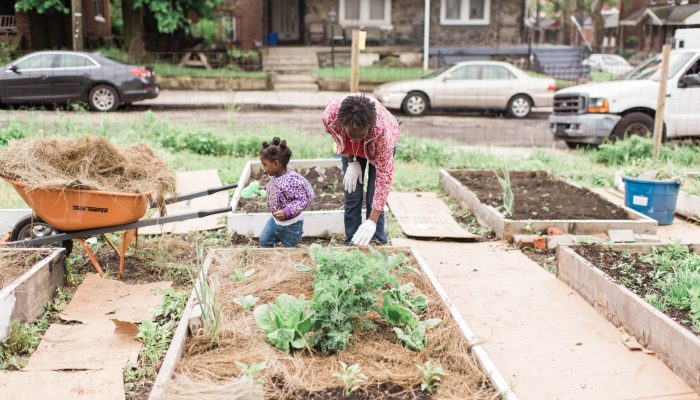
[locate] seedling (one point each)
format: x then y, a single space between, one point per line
249 371
351 376
247 301
508 198
238 275
253 190
432 376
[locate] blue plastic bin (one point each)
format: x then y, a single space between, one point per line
655 198
272 39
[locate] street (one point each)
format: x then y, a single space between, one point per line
464 129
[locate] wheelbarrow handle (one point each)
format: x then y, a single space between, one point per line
194 195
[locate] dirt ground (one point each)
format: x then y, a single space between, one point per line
538 197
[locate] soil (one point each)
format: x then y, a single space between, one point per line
638 279
15 263
546 259
385 390
538 196
327 184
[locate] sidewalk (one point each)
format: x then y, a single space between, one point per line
189 99
543 337
172 99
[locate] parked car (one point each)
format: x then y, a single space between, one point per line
609 63
59 77
470 84
590 113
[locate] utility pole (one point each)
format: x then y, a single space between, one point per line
77 24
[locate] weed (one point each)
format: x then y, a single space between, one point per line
11 132
250 371
508 198
238 276
247 301
432 376
21 340
351 376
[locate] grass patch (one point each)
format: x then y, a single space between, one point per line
169 70
373 74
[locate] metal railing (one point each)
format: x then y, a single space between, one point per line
7 23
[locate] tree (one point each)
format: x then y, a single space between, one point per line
598 24
41 6
170 16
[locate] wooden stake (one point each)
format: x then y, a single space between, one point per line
77 24
661 101
355 62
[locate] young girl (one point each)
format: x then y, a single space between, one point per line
288 195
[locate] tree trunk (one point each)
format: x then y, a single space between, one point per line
598 25
567 7
133 31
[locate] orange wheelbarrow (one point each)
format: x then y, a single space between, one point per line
61 215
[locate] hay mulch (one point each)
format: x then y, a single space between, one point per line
91 163
14 263
303 375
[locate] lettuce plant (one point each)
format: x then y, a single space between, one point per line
285 322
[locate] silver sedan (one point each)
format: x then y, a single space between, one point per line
470 84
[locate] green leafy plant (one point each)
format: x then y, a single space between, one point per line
351 376
508 198
250 371
345 291
247 301
21 339
285 322
238 276
403 295
414 336
432 376
11 132
253 190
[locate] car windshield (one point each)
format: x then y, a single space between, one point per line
614 60
651 69
436 72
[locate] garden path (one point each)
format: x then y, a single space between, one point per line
544 338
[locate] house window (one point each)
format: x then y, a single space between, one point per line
464 12
99 7
229 28
365 13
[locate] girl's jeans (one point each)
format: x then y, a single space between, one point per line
353 204
273 233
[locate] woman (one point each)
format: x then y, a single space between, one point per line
364 131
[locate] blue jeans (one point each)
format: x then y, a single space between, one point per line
273 233
353 204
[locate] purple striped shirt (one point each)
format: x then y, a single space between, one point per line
291 192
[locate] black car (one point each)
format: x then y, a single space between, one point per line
60 77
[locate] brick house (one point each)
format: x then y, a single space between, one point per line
52 30
654 22
453 23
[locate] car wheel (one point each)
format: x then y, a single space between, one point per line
634 124
415 104
519 106
103 98
32 227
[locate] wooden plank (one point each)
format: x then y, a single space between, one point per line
677 347
425 215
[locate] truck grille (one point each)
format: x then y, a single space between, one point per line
569 104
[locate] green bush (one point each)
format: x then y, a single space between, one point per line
411 149
11 132
201 142
624 152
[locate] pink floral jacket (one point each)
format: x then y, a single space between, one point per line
379 145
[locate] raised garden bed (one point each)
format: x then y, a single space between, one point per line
28 279
307 371
542 200
618 280
324 217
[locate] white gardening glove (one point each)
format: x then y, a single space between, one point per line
364 233
353 175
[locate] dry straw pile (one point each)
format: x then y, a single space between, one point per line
14 263
294 376
90 162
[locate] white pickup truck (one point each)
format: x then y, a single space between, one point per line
593 112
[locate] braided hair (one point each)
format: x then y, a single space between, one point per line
358 112
276 150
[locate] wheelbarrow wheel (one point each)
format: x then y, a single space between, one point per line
32 227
